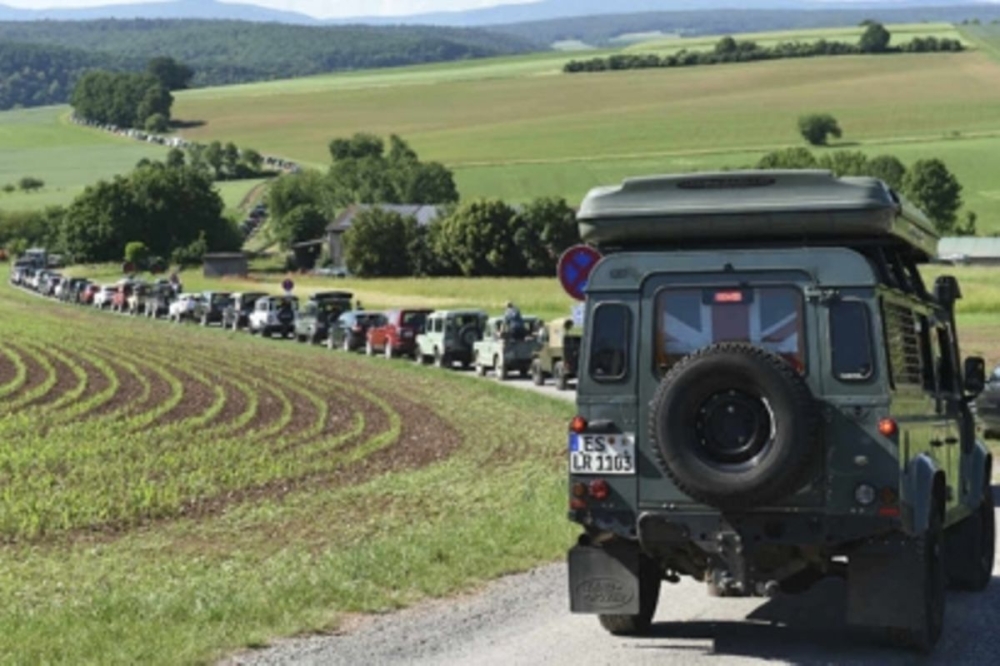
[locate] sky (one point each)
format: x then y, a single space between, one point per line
317 8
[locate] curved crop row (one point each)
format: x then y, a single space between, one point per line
121 423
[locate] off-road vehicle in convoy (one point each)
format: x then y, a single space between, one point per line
449 337
158 300
558 353
769 395
273 315
502 352
209 310
350 330
235 316
398 336
322 309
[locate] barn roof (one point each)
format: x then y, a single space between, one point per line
424 214
972 247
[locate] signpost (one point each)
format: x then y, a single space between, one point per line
575 266
579 311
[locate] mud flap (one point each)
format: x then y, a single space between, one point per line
604 580
881 589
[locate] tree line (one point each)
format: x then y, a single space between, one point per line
137 100
174 211
485 237
927 183
42 61
874 40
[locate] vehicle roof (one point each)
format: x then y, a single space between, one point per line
745 205
825 266
323 295
454 313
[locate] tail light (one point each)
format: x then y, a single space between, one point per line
888 427
578 425
599 489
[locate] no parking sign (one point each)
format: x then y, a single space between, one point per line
575 266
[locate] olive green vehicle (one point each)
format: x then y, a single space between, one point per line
501 353
558 353
449 337
770 395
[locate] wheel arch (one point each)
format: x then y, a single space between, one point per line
924 491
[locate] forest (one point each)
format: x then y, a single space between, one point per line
41 62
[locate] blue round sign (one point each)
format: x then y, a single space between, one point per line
288 285
575 266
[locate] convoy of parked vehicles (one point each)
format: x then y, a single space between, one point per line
333 319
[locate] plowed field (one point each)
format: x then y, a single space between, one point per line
155 472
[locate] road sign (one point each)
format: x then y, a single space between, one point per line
574 270
288 285
578 313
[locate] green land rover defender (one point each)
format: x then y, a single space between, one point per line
769 395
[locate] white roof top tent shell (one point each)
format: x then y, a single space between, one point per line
754 207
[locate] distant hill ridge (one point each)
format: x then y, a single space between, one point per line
40 61
540 10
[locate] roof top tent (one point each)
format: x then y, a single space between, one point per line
757 208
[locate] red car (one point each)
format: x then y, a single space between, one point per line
398 336
119 303
87 295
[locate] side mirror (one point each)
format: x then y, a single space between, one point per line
947 291
975 375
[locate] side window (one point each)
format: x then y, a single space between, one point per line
902 339
851 354
609 343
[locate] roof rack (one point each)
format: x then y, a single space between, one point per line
754 206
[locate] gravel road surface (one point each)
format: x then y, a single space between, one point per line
525 619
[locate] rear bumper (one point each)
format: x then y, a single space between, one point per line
659 531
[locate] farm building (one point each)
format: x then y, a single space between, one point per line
969 250
223 264
336 229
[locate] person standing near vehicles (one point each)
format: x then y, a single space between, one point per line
513 322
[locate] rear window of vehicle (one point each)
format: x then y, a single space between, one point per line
691 319
414 319
851 355
610 342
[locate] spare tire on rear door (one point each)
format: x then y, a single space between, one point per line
735 426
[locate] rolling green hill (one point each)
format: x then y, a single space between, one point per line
221 52
515 127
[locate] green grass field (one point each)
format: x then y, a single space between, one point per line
44 144
901 33
521 128
172 494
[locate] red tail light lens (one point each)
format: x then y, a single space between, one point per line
577 504
578 425
888 427
599 489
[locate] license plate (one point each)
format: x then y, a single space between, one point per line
601 454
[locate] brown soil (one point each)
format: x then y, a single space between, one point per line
269 409
35 377
236 405
66 382
8 371
129 389
197 399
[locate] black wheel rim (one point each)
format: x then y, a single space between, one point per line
734 428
